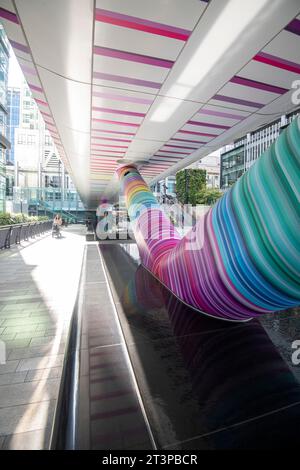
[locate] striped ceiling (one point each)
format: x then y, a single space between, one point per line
98 70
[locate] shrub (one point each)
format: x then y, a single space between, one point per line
208 196
9 219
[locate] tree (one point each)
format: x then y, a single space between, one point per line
189 183
208 196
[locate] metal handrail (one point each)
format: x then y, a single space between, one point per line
15 233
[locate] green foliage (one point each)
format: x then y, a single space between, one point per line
208 196
10 219
188 184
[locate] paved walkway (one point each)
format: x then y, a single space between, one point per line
38 287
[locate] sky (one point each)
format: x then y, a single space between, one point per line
15 74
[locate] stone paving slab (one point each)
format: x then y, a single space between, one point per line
38 287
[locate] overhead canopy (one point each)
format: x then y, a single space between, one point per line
160 82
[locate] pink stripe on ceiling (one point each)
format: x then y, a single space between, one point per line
119 123
100 168
170 151
112 132
118 111
100 163
208 124
103 165
35 88
28 70
45 114
114 140
210 112
41 102
140 24
114 146
48 123
133 57
258 85
189 140
275 61
130 99
162 157
19 46
106 151
8 15
179 146
204 134
230 99
128 80
158 166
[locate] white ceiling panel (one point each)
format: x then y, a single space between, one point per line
171 77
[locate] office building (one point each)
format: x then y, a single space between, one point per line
246 150
4 142
13 120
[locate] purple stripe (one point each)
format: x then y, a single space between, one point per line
41 102
28 70
19 47
113 132
207 124
229 99
114 140
35 88
152 24
8 15
294 27
258 85
189 140
179 146
277 62
204 134
167 158
209 112
46 114
118 111
119 123
130 99
176 152
130 81
133 57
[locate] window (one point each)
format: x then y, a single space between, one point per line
31 139
47 140
21 139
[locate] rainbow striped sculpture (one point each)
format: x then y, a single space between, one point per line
242 258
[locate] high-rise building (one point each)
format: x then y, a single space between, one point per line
4 143
13 120
34 171
245 151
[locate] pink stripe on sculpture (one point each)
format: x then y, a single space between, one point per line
242 258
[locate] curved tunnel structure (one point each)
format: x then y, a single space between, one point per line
242 258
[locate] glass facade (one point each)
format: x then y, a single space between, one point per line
232 166
4 57
248 149
13 120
